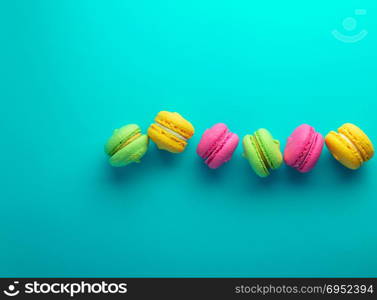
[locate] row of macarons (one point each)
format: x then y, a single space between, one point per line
171 132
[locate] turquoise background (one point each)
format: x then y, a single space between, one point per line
72 71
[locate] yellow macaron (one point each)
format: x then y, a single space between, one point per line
350 146
170 131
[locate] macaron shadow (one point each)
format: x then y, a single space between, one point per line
155 159
295 177
135 171
253 181
123 175
207 174
250 182
167 158
345 175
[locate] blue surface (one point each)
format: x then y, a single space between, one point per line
72 71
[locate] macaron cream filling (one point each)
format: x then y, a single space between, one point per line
349 142
305 159
126 142
211 148
261 153
172 132
216 147
300 162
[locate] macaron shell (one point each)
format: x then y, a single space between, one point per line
174 121
119 136
209 139
225 151
252 154
343 152
359 139
313 155
297 144
166 141
270 148
131 153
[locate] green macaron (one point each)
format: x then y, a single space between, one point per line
126 145
262 151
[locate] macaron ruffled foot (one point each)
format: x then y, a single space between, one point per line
170 131
217 145
350 146
262 151
303 148
126 145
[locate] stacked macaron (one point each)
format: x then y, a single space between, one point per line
262 151
350 146
303 149
127 144
171 132
217 145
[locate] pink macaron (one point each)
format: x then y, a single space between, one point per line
217 145
303 148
